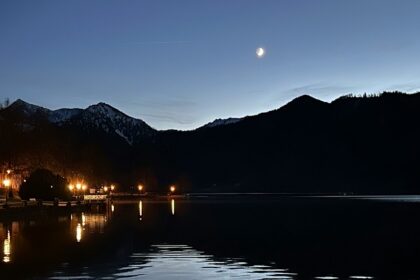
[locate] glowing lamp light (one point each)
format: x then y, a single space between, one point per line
84 187
105 188
78 186
71 187
8 171
112 187
172 189
7 182
140 188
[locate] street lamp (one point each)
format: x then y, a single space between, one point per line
7 183
140 188
112 187
105 189
172 189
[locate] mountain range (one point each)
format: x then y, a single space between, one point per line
366 144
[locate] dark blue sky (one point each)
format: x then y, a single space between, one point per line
180 64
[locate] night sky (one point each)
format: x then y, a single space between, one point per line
180 64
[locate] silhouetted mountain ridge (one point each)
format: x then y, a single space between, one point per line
366 144
101 117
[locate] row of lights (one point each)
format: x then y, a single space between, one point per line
111 188
77 187
172 188
83 187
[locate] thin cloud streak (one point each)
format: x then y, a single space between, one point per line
161 42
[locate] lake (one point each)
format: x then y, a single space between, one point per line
218 238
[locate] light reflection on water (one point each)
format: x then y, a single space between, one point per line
6 232
7 248
177 261
173 206
167 261
79 232
180 239
92 222
140 210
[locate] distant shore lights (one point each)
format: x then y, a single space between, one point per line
77 187
111 188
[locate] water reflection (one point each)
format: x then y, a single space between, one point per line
168 261
7 248
7 231
173 206
286 239
79 232
140 210
87 222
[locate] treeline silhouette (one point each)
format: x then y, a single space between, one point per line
43 184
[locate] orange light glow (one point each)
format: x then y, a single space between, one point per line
140 187
7 182
105 188
78 186
112 187
172 188
71 187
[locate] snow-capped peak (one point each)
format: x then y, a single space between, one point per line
103 108
220 122
26 108
111 120
100 116
105 111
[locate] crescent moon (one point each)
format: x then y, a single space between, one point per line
260 52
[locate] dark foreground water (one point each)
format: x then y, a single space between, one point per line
293 238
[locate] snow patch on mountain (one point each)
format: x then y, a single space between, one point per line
27 109
110 120
100 116
220 122
123 136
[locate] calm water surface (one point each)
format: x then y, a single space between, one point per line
288 238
